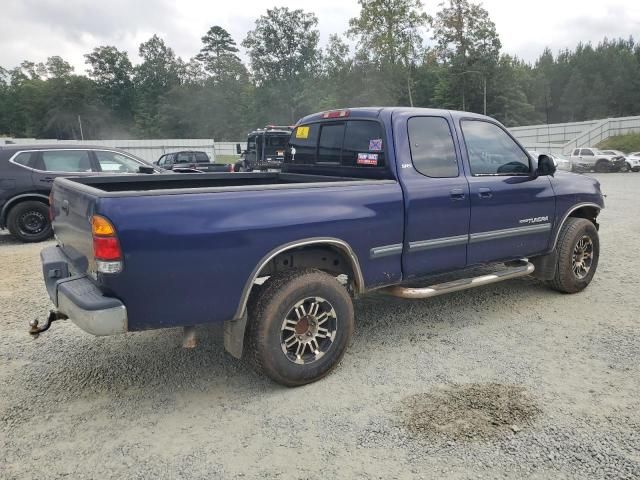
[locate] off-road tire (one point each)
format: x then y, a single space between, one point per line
573 230
29 221
626 167
267 311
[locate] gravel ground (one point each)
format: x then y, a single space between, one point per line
510 380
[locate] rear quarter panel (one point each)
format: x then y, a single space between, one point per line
187 257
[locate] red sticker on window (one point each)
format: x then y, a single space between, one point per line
367 159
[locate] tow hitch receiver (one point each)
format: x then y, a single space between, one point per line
35 329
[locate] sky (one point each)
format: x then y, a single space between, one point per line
36 29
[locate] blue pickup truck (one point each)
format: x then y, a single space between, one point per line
410 202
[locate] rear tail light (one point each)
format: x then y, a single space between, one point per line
106 247
230 168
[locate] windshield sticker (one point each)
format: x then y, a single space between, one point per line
375 145
302 132
367 159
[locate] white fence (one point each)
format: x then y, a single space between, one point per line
564 137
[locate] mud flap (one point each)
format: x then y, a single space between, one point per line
234 335
546 266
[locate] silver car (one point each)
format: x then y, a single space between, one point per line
561 162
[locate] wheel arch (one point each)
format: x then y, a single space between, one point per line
304 249
588 211
13 201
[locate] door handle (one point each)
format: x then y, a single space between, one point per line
457 194
484 192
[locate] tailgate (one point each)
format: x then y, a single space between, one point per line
72 207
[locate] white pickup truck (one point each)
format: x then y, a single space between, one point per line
592 159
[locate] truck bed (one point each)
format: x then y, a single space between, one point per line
209 182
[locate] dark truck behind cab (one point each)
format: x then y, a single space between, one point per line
368 200
265 149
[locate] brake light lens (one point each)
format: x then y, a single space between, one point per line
336 114
106 247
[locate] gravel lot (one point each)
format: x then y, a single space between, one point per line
510 380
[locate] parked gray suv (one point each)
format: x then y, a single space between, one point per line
27 173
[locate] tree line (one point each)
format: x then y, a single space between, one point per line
401 55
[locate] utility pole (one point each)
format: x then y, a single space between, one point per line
80 124
484 84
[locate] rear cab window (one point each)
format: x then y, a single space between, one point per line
346 146
432 149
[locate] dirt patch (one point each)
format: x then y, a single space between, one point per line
468 412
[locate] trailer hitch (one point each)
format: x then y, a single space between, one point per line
35 329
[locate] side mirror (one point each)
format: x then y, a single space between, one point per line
238 149
546 166
146 169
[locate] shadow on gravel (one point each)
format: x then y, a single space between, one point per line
468 412
8 239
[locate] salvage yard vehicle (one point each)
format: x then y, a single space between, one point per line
27 173
265 149
369 199
633 161
592 159
560 162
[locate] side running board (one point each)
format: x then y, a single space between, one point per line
521 269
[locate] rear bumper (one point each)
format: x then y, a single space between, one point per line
77 297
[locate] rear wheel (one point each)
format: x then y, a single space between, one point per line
299 326
578 250
29 221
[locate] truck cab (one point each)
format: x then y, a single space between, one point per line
265 149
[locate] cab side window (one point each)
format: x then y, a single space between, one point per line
492 151
586 152
65 161
23 158
432 149
116 163
576 152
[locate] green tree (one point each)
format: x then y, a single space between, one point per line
219 55
284 55
388 35
467 42
159 72
112 71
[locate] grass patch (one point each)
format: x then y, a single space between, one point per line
627 143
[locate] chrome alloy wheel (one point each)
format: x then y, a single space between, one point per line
582 257
308 330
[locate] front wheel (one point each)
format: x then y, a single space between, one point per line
578 250
602 166
29 221
299 326
626 167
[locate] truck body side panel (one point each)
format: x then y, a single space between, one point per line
187 257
